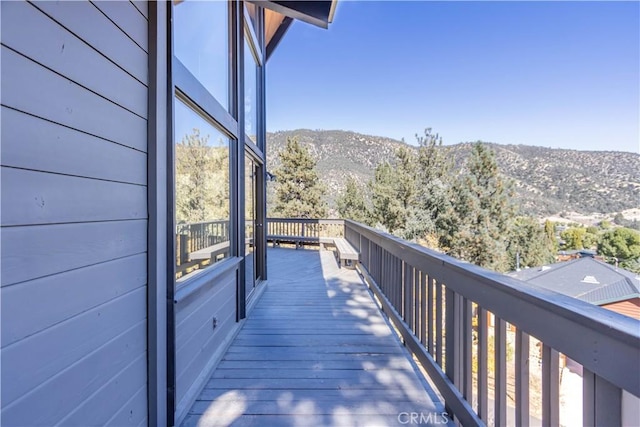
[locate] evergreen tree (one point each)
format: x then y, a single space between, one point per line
433 180
299 192
202 179
387 209
476 226
393 192
550 232
529 243
352 204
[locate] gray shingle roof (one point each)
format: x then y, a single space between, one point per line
586 279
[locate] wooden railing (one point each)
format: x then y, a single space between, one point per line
199 235
453 317
311 229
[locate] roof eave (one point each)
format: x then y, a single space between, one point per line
318 13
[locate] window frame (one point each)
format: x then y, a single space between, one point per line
189 90
254 42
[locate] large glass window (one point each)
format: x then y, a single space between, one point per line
201 43
250 93
201 192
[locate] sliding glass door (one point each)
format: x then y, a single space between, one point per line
253 225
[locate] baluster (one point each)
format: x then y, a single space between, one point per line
452 346
483 366
500 381
467 346
430 323
522 379
601 401
406 294
424 301
439 324
550 387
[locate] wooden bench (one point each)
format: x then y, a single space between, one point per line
210 252
346 252
299 241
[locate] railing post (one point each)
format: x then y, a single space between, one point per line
183 250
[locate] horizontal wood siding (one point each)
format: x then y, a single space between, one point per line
48 147
629 307
197 340
74 213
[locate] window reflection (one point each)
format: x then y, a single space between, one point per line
250 94
201 193
201 43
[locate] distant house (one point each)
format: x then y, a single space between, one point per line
575 254
590 280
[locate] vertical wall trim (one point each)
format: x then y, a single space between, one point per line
157 238
261 263
239 203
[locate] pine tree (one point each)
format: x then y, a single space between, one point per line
433 181
299 192
529 243
393 192
352 204
476 226
202 179
386 207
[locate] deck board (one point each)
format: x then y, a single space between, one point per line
315 351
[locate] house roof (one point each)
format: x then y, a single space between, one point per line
585 278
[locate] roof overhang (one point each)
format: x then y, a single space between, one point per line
319 13
279 16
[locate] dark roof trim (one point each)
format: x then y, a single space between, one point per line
277 36
318 13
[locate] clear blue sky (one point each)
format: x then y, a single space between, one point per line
540 73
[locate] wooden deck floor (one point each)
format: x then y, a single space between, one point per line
315 351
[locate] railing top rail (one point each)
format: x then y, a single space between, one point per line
335 221
607 320
214 221
591 335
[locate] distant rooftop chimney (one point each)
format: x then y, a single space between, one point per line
590 279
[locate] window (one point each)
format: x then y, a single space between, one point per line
250 92
202 185
201 43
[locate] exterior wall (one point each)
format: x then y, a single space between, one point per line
74 213
200 344
209 305
629 307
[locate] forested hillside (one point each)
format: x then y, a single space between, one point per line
547 180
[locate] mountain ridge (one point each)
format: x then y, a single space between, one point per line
546 180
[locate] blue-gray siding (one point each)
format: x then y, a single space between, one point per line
198 344
74 213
